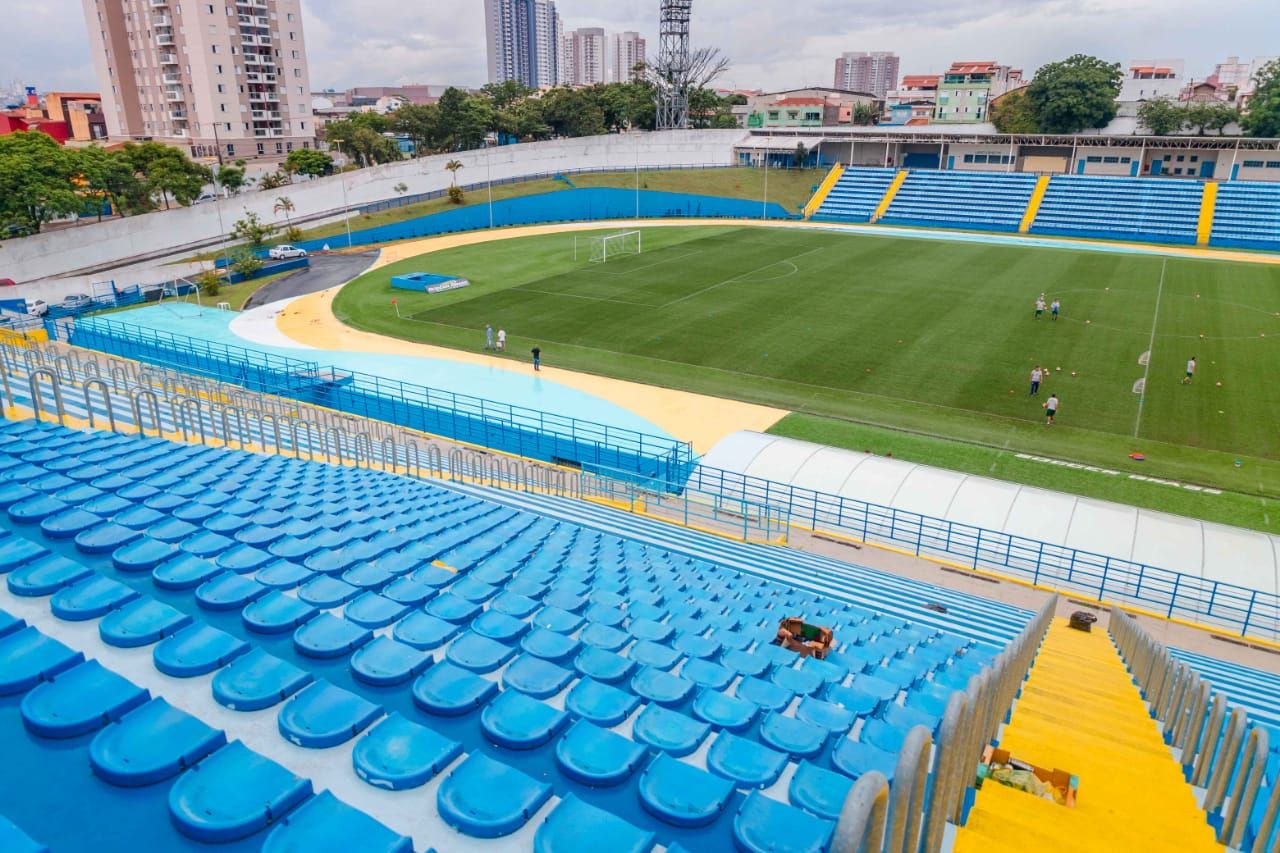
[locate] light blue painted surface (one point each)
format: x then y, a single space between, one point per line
491 383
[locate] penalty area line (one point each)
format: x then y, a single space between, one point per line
1146 374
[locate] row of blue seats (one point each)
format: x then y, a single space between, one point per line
857 193
1247 214
1129 207
512 716
961 199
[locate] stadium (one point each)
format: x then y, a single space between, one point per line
776 549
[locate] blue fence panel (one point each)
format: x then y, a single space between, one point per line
577 205
499 426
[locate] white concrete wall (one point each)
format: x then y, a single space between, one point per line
53 290
84 248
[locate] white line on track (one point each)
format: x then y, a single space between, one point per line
1137 424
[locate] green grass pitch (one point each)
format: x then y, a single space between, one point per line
933 337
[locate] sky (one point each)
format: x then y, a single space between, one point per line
774 44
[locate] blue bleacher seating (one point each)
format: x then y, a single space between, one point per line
1145 209
856 194
988 201
1247 215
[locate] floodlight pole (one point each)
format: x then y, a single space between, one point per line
346 209
637 151
488 174
764 202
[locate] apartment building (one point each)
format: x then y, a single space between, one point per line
860 71
582 57
1145 79
967 88
628 52
524 41
225 79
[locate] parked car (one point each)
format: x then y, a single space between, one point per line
37 307
76 301
7 282
280 253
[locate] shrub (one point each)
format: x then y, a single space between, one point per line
456 195
245 263
293 234
209 282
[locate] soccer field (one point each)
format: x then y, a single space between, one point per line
932 336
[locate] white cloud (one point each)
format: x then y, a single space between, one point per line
773 43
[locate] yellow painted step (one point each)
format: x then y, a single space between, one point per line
1033 204
824 189
1208 201
887 199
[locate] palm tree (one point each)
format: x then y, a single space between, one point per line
453 166
284 205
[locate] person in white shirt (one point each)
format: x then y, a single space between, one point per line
502 340
1191 370
1039 306
1036 375
1050 409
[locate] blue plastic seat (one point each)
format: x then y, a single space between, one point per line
232 794
723 711
798 738
514 604
854 758
371 610
323 715
661 687
46 575
650 654
698 647
91 598
803 682
681 794
564 600
449 691
400 754
517 721
600 703
10 624
766 694
452 608
669 731
79 700
326 592
329 636
882 734
557 619
257 680
906 718
835 718
326 823
228 591
408 591
484 798
819 791
183 571
424 632
70 522
281 574
14 840
276 613
596 756
478 654
764 825
744 761
141 623
575 826
28 657
16 551
603 665
35 509
550 645
206 544
244 559
647 629
499 626
857 702
104 538
704 673
151 743
829 671
197 649
877 687
385 662
536 677
604 637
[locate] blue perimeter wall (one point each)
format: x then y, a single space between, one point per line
576 205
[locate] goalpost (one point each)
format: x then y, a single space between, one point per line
600 249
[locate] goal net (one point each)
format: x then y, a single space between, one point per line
600 250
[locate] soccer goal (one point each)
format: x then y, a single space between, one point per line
599 250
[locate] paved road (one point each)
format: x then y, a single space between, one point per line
325 271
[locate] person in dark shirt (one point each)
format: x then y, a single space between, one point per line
537 358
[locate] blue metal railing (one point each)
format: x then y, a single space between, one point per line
500 426
1174 595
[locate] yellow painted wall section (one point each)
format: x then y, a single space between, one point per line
1207 204
889 194
1081 712
823 189
23 339
1033 205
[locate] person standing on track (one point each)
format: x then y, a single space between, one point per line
1036 375
537 359
1050 409
1191 371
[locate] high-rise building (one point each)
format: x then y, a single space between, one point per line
582 57
224 79
628 52
874 73
524 41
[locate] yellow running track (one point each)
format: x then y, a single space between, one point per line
1081 712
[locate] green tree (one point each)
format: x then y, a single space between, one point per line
1222 116
1161 116
209 282
1013 113
284 205
505 94
456 194
309 162
466 119
273 181
36 181
1210 116
108 174
1075 94
360 137
421 123
1263 118
864 115
801 155
252 229
167 172
452 168
573 112
523 120
231 179
244 262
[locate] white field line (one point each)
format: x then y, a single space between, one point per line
739 276
1137 424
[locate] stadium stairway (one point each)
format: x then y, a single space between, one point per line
856 194
1080 711
204 646
988 201
823 190
1160 211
